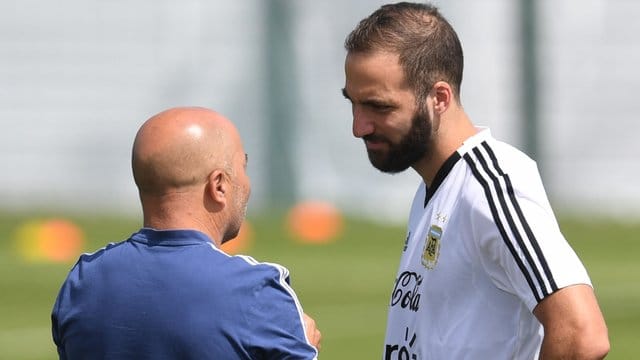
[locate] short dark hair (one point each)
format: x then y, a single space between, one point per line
429 49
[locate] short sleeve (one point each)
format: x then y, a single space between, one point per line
275 319
520 243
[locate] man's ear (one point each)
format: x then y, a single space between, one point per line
442 96
218 186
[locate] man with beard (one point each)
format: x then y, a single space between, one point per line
485 271
169 292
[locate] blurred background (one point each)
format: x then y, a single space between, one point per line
78 77
557 79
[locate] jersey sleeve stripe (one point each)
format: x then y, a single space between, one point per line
284 282
507 213
519 231
499 224
525 224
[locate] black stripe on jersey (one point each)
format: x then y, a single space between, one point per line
509 217
501 192
501 229
523 221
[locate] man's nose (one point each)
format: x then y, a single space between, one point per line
362 126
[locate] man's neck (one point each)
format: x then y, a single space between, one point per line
453 132
161 215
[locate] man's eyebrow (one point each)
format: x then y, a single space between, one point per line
378 101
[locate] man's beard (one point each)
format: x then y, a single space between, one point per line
239 214
412 147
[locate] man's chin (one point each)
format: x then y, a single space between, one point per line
390 170
387 168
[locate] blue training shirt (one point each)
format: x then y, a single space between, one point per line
172 294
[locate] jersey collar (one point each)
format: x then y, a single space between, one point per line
481 135
174 237
440 176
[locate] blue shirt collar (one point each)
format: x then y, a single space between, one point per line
173 237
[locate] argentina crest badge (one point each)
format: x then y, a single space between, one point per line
431 247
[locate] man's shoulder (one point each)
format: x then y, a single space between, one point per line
106 250
255 268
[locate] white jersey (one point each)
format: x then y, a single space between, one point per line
483 248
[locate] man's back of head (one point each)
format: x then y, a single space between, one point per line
188 164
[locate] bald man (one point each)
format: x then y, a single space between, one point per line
168 291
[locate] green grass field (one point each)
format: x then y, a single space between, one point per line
344 285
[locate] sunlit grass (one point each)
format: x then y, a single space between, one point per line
344 284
